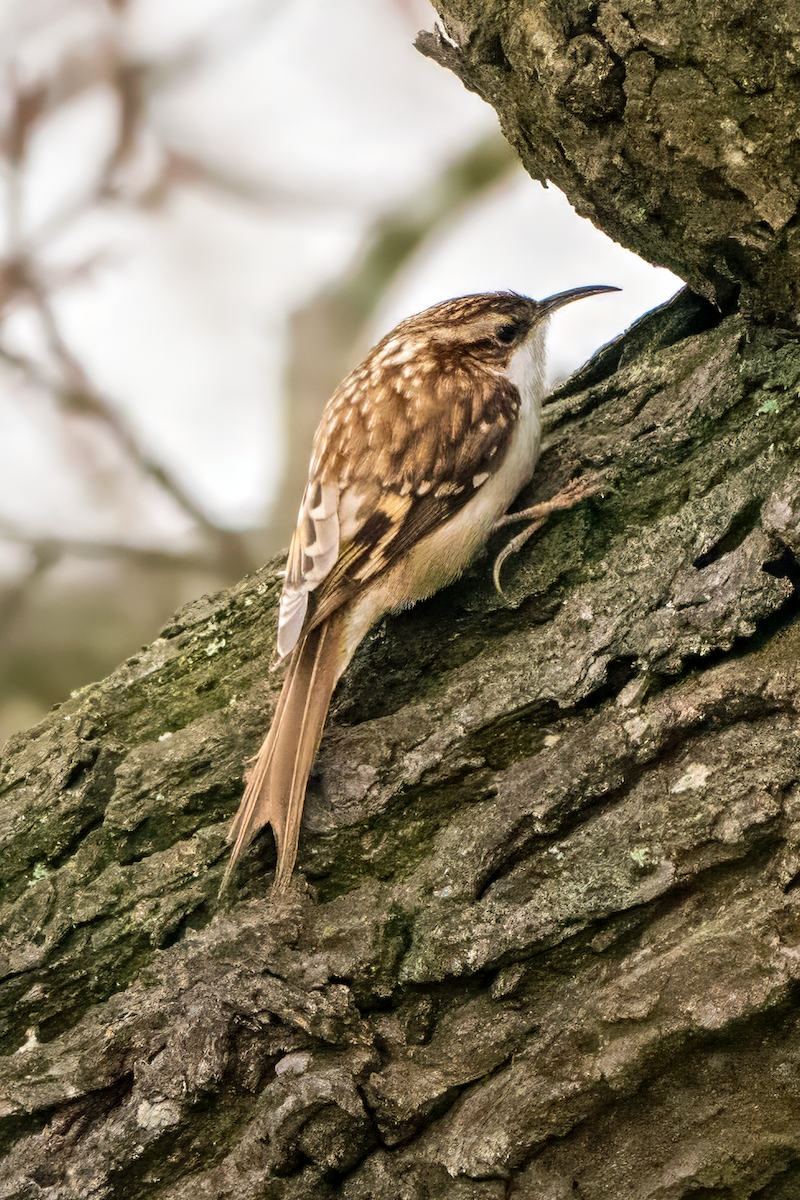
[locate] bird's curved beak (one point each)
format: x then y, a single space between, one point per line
580 293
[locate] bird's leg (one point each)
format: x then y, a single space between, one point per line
575 491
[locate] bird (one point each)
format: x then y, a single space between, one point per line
416 459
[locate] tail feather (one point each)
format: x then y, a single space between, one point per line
276 784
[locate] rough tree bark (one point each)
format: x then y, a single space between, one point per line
544 940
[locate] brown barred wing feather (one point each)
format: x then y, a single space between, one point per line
384 513
312 554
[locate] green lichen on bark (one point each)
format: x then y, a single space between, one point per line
544 927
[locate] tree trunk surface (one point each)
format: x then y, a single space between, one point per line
543 941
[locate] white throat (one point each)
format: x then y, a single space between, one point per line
527 368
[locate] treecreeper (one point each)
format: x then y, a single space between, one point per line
417 457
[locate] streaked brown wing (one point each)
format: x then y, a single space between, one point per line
420 465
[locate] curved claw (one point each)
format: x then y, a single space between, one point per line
512 547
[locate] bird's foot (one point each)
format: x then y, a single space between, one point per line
575 491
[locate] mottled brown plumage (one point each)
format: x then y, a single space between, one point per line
418 455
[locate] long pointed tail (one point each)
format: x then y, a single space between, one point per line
276 783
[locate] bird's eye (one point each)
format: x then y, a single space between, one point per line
505 334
